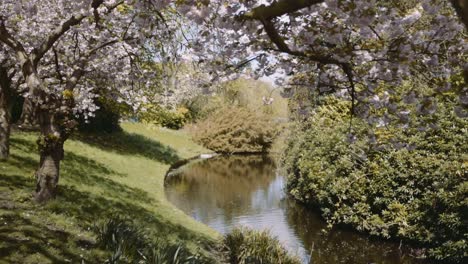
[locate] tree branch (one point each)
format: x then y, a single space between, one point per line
8 39
283 47
56 34
279 8
266 14
57 66
62 29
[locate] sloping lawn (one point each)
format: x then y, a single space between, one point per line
101 176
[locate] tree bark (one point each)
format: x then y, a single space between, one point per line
51 153
4 133
28 114
56 122
5 113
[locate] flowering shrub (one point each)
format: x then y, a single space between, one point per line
399 182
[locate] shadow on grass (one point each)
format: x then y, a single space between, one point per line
21 236
26 235
24 145
89 196
80 170
23 162
131 144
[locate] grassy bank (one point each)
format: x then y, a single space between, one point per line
101 176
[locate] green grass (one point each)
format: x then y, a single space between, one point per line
101 176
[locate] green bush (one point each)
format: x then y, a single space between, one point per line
406 182
246 246
236 130
157 115
105 119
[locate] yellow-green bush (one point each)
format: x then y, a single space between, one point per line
236 130
408 182
157 115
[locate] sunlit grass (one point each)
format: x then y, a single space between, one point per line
101 175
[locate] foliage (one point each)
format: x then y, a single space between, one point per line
394 181
119 236
236 130
201 106
105 119
157 115
247 246
242 92
129 244
334 45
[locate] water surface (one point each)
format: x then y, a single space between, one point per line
226 192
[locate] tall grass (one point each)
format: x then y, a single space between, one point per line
247 246
129 244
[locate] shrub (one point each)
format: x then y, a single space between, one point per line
105 119
399 182
236 130
157 115
246 246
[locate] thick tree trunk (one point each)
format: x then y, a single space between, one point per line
56 121
51 152
47 175
5 113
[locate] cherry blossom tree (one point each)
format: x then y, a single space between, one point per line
65 49
179 77
346 47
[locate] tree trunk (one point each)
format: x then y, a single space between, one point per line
5 113
56 121
4 131
47 175
28 114
51 152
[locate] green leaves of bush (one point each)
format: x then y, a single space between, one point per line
416 193
236 130
173 119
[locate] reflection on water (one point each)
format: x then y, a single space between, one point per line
225 192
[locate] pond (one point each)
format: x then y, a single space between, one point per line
226 192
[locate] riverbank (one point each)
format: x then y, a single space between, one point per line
122 173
